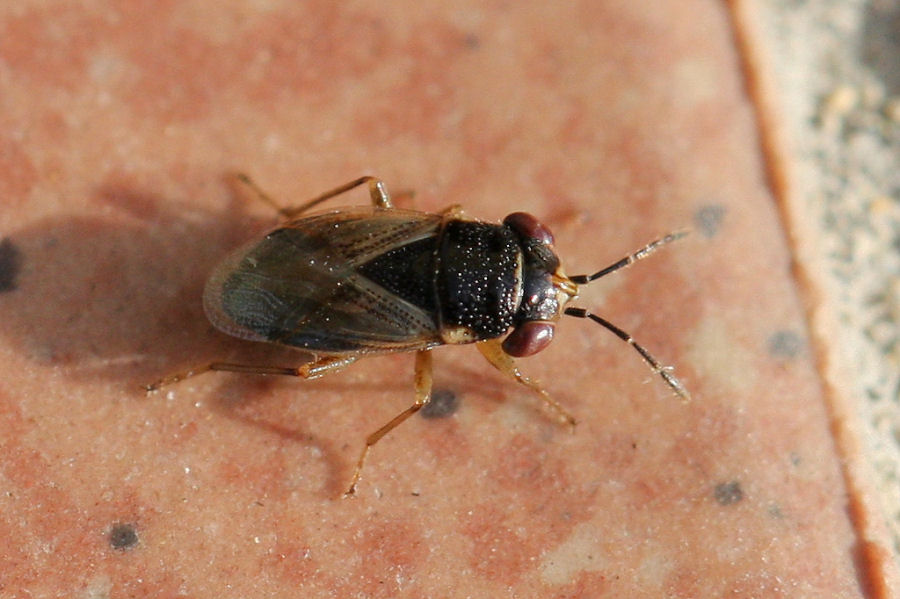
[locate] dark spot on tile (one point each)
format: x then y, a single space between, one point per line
728 493
10 265
444 402
708 219
880 44
785 344
123 536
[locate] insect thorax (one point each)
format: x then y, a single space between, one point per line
478 279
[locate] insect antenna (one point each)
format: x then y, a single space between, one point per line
664 371
638 255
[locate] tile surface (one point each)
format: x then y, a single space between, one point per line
611 123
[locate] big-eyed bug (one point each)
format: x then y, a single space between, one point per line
355 282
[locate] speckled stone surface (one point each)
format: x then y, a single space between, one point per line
612 123
834 66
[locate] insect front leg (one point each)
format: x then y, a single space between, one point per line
377 191
310 370
492 350
423 382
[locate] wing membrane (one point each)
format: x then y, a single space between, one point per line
301 285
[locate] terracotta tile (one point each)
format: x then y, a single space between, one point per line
613 123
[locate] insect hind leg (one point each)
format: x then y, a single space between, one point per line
377 192
310 370
423 382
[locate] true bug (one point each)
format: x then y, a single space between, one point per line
355 282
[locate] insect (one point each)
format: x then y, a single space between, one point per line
362 281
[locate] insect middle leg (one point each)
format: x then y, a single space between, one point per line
423 381
377 192
492 350
310 370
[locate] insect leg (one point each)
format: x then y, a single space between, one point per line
377 191
423 396
310 370
493 352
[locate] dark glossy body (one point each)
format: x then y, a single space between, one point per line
367 280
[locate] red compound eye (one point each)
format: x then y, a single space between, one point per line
528 338
528 226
